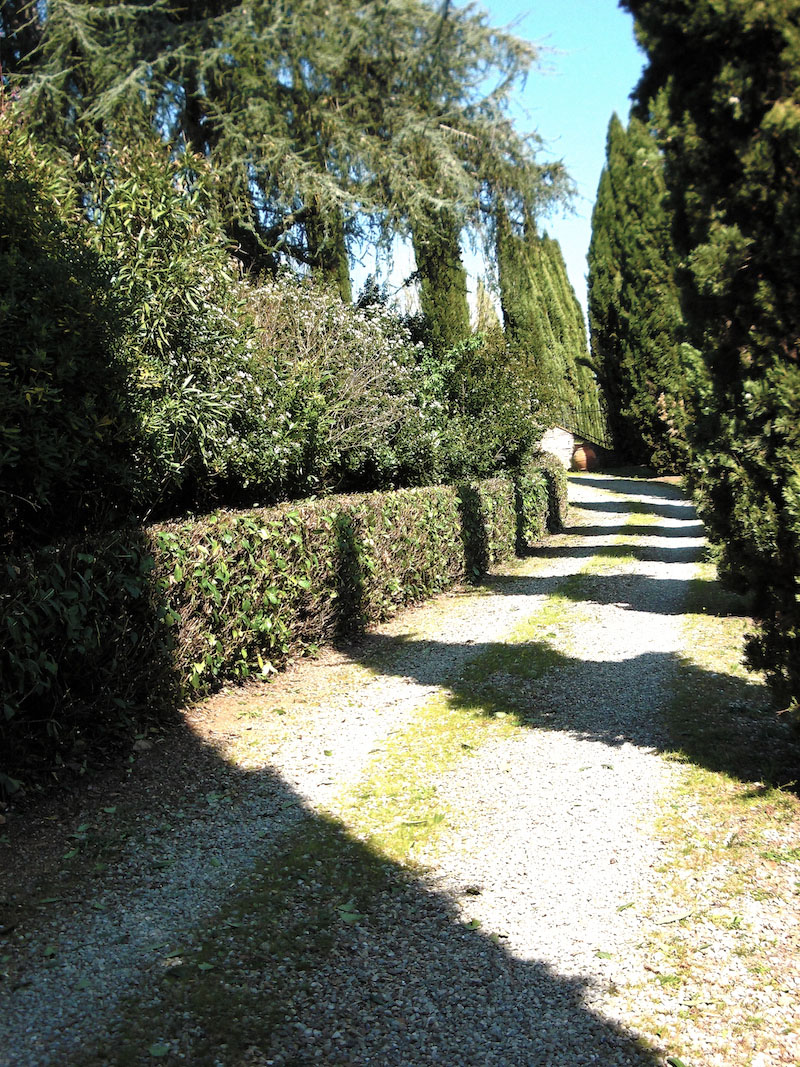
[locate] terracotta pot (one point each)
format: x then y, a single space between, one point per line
584 458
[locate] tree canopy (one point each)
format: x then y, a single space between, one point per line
730 133
324 123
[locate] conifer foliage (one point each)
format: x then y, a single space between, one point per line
545 324
731 140
326 124
635 316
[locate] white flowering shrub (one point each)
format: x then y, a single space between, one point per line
341 397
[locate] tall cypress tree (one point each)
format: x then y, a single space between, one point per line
544 322
635 315
443 279
731 140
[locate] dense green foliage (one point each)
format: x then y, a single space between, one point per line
544 323
97 635
730 132
187 342
443 281
63 428
635 316
215 390
182 188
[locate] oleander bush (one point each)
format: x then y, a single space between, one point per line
188 337
64 428
341 401
98 638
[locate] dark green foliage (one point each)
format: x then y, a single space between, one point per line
544 324
251 588
488 412
730 132
635 316
98 637
340 401
442 282
488 523
542 488
187 343
84 650
64 430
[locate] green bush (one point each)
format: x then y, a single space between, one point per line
556 479
64 431
85 649
488 414
341 398
251 588
152 217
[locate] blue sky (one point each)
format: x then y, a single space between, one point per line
590 64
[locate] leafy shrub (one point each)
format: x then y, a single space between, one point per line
251 588
489 416
64 431
556 480
152 217
343 403
84 648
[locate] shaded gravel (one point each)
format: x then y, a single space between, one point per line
510 951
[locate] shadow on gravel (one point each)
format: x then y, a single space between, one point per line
372 966
325 952
636 486
645 553
637 507
646 701
634 592
686 529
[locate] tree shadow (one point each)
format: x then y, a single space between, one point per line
644 553
611 700
474 533
615 507
350 606
631 592
257 931
641 486
686 529
262 931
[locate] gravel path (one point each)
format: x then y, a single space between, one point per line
514 944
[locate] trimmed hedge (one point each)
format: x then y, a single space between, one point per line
97 638
555 478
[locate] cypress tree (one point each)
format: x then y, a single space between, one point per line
544 322
635 315
730 132
443 281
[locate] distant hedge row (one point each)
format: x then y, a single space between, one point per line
97 638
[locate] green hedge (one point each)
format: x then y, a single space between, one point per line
556 480
96 638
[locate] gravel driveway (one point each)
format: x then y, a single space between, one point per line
514 938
